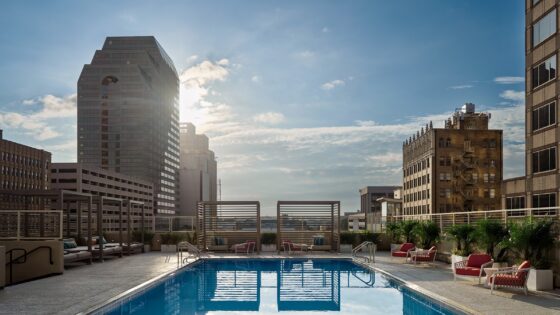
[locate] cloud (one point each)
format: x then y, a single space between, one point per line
509 80
269 118
461 87
41 124
256 79
332 84
325 29
306 54
205 72
516 96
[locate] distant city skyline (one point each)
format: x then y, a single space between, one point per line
299 100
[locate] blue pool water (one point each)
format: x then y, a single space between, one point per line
268 286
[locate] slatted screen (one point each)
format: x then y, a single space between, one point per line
222 224
314 223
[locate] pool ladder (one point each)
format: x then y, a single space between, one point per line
367 247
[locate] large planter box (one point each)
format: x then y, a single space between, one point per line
540 280
147 248
268 248
168 248
346 248
455 259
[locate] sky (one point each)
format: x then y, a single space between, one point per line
301 100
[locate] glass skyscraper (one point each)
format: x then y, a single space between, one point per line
128 115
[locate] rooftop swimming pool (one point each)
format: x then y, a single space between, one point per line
269 286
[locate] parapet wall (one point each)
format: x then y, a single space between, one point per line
38 263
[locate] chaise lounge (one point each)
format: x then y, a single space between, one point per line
422 255
245 248
403 251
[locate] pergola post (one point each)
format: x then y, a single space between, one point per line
100 227
121 227
258 240
90 208
142 227
278 229
68 219
333 246
79 219
128 226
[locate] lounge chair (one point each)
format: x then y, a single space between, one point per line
513 277
245 248
421 255
473 266
76 255
403 251
290 247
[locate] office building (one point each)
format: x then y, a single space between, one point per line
539 187
23 168
128 111
198 173
370 207
100 182
453 169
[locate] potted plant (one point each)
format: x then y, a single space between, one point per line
532 240
347 241
148 238
394 232
490 237
463 236
427 234
268 242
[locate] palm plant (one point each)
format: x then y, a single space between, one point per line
407 230
464 237
491 234
531 240
394 231
427 233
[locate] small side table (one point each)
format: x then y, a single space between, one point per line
489 272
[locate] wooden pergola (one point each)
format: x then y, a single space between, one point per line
222 224
313 223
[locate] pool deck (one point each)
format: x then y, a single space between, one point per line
81 288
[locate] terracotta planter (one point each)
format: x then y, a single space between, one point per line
540 279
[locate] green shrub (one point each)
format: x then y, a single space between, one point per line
427 233
173 238
491 236
464 237
356 238
137 236
532 240
407 230
268 238
394 231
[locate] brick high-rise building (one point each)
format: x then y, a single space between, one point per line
128 111
23 168
453 169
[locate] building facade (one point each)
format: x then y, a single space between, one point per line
128 111
198 173
453 169
540 189
370 206
23 168
100 182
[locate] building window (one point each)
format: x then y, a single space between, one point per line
544 116
544 28
544 72
544 160
544 201
515 202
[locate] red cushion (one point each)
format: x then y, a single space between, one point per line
406 247
477 260
399 254
425 258
508 280
468 271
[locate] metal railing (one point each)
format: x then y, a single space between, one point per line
446 220
31 224
165 224
369 248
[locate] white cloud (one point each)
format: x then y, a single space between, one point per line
41 125
269 118
325 30
461 87
256 79
306 54
192 58
366 123
29 102
516 96
332 84
205 72
509 80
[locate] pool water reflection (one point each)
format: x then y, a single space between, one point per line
276 285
